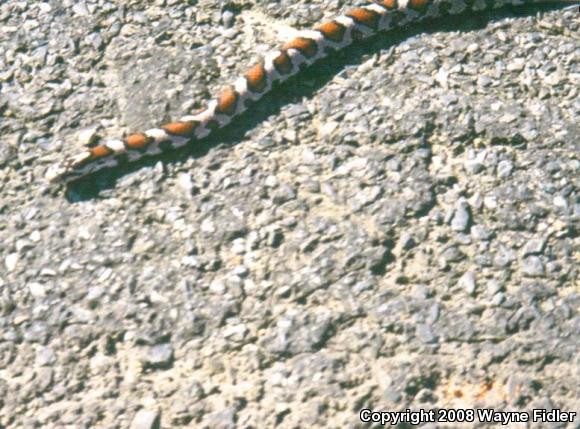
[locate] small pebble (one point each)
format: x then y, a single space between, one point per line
160 355
461 217
467 282
533 267
535 246
146 419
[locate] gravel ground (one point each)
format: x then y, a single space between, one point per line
398 228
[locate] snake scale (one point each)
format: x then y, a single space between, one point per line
305 49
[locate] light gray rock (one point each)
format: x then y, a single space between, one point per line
534 246
467 282
533 266
159 356
461 217
146 419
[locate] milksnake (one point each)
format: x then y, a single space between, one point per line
305 49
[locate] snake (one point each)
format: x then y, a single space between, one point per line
308 47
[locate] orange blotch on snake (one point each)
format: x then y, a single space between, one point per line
283 63
366 17
389 4
256 78
137 141
227 102
307 47
100 152
332 30
419 4
182 129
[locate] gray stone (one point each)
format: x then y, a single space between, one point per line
45 356
504 256
159 356
504 169
479 232
453 254
224 419
493 287
535 246
407 242
228 18
467 282
146 419
80 9
425 333
461 217
298 333
11 261
533 267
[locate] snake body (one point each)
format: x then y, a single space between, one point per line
305 49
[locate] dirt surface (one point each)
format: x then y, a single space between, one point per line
396 228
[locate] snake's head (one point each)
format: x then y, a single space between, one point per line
70 169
